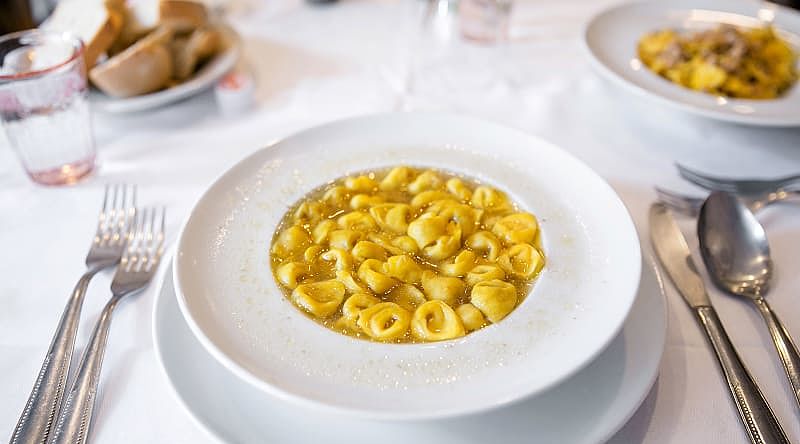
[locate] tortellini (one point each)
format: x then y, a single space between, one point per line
518 228
485 243
460 264
372 273
482 273
522 261
384 321
404 268
495 298
406 255
471 317
290 241
368 250
392 217
291 272
442 288
436 321
319 298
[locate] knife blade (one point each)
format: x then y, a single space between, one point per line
673 252
676 257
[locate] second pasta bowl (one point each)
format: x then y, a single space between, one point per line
494 354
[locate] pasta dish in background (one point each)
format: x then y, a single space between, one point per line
725 61
406 255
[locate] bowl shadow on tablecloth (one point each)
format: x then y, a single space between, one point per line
636 428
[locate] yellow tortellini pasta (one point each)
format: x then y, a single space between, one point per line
392 217
486 244
471 317
407 296
292 272
522 261
344 239
368 250
516 228
319 298
484 272
436 321
495 298
290 241
404 268
351 309
489 198
384 321
442 288
373 273
459 265
406 255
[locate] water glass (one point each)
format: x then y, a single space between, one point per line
44 107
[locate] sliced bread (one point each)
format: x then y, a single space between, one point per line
144 67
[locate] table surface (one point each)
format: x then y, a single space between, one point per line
317 64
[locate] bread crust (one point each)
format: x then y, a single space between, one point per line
182 15
143 68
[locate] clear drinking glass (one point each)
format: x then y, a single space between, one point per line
44 107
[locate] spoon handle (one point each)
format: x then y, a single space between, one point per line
760 422
783 344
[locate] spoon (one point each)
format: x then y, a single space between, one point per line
736 252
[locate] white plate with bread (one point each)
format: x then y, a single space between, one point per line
142 54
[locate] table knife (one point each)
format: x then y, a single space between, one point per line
759 421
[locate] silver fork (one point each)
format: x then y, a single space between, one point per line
41 409
690 205
136 269
738 186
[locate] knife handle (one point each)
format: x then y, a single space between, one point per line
761 424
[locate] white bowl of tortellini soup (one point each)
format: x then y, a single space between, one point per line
407 266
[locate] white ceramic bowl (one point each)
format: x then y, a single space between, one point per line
229 298
612 36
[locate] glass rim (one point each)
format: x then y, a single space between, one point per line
78 49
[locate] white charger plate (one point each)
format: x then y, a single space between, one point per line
587 408
203 79
611 38
230 300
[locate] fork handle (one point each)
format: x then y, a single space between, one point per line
75 419
36 421
783 344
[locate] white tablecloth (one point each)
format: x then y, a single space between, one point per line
316 64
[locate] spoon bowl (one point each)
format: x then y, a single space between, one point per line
734 246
